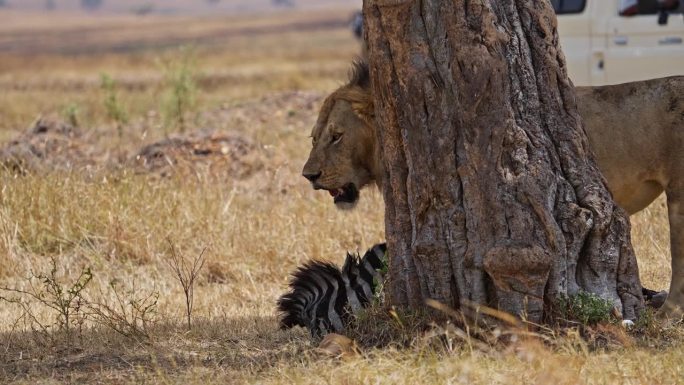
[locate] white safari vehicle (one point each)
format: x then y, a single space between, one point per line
617 41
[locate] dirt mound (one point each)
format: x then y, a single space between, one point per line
224 148
51 144
211 153
294 110
48 144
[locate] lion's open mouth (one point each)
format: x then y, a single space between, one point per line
345 194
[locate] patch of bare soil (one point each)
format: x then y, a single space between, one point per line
51 144
209 153
281 123
293 110
228 149
48 144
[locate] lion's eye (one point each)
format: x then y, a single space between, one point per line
336 137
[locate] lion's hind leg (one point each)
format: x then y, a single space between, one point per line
674 305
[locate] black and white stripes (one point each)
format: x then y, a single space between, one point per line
322 297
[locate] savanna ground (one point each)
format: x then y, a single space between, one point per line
229 118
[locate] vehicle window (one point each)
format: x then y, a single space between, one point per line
568 6
649 7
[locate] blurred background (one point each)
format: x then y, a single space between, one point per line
229 49
171 7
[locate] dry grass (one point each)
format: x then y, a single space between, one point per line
118 221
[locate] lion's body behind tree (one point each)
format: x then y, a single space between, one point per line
636 131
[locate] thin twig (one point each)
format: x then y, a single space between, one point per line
186 275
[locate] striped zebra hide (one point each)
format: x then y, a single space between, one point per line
322 298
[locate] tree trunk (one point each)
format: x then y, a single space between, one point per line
491 192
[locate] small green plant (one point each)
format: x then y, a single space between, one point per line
64 299
70 114
587 308
113 106
181 88
646 322
379 285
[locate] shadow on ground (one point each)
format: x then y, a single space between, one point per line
246 346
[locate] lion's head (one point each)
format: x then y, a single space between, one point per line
345 157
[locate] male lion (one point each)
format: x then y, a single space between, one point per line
636 131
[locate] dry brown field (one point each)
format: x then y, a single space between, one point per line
174 7
88 193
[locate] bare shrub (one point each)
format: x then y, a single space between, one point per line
65 300
186 273
129 315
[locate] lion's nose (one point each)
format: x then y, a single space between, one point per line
312 176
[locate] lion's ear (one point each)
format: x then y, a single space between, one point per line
365 110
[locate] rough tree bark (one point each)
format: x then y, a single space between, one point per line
492 195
